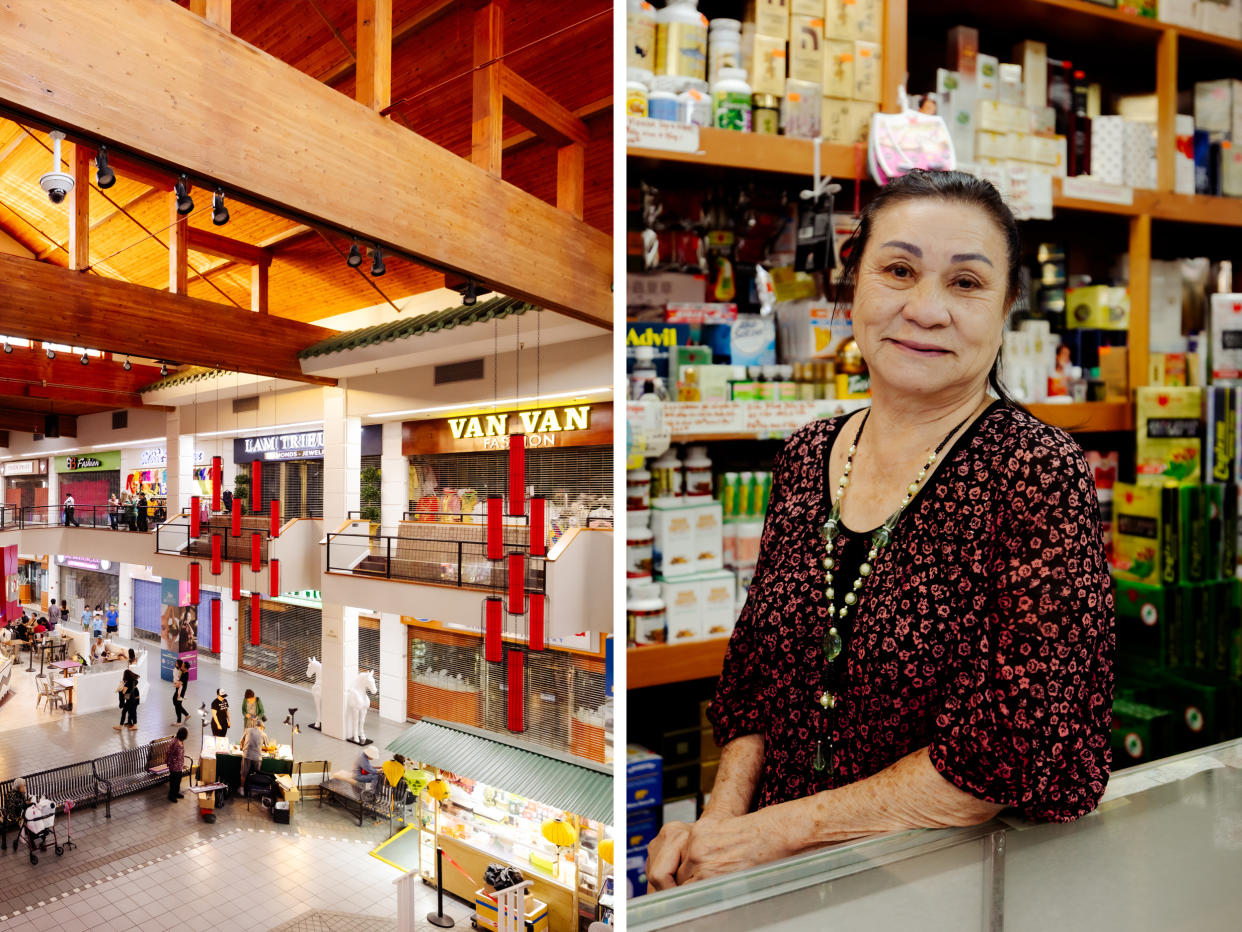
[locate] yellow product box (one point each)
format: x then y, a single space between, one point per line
868 20
867 71
1136 533
806 48
841 19
1022 147
772 19
808 8
989 145
837 121
852 386
1098 307
767 65
838 68
1167 369
861 112
1045 149
992 117
1169 429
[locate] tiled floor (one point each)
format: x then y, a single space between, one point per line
156 865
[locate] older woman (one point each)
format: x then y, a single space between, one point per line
928 638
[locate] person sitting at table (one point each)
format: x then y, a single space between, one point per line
366 768
112 652
98 650
252 753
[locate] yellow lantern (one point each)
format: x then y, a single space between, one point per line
560 833
605 850
438 790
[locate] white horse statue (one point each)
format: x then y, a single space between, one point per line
313 670
357 704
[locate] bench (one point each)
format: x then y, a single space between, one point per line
349 794
75 782
6 787
134 769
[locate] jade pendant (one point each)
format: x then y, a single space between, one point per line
821 759
832 645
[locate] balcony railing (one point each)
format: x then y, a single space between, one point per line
105 517
174 538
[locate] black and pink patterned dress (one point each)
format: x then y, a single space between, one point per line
986 631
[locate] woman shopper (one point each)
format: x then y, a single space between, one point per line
129 701
929 635
252 710
143 517
114 510
174 757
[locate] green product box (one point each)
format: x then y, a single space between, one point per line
1179 637
679 357
1229 531
1169 435
1139 551
1193 531
1140 733
1228 648
1214 507
1144 615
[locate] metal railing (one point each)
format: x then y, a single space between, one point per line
174 538
106 517
10 516
454 562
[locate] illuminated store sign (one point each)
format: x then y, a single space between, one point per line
308 445
26 468
538 421
564 426
157 457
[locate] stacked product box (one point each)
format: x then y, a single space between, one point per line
644 797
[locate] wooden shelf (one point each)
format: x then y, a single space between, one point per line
1089 417
760 152
659 665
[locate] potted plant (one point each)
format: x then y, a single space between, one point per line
241 490
369 497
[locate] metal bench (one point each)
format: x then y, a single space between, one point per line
6 787
134 769
76 782
350 795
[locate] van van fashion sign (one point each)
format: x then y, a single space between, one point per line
564 426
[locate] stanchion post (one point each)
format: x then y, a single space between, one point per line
438 918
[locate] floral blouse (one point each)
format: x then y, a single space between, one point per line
985 632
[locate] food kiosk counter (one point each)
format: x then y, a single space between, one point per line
1162 851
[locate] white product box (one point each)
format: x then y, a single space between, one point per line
987 73
801 113
1043 120
808 8
1009 87
841 19
708 537
682 609
867 71
836 121
1045 149
1139 142
1108 149
1231 169
861 112
1226 345
1183 159
1033 57
717 603
1179 12
1222 17
1218 106
961 114
806 48
767 64
991 145
1165 302
992 116
772 18
838 68
674 541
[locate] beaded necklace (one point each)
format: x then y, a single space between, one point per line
830 532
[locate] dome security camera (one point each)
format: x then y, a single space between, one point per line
56 183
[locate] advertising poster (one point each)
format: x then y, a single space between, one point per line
176 629
12 602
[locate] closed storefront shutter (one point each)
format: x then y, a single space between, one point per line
289 636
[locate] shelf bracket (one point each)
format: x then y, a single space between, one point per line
820 186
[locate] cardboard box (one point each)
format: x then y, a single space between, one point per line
838 68
963 50
1226 338
1108 149
1140 733
674 543
644 778
641 826
837 121
1193 534
1097 307
772 19
1230 169
1220 446
1137 540
717 596
708 537
1169 435
681 601
1179 12
807 8
867 80
1184 159
1144 617
1218 107
1009 87
841 19
677 748
680 782
806 48
1138 141
1221 17
1033 57
987 76
768 64
868 20
989 145
861 112
801 110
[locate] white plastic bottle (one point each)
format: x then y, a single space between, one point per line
694 103
637 90
724 46
731 100
644 370
681 40
698 473
662 101
640 34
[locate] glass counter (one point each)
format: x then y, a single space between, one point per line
1162 851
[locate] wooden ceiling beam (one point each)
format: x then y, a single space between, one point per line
80 210
537 111
373 88
40 301
400 32
27 369
32 422
135 170
487 119
591 110
224 247
178 248
217 12
260 127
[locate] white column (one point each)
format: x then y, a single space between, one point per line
228 631
125 603
342 457
172 457
394 478
340 662
394 662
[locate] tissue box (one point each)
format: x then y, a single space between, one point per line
1108 149
1226 329
1218 106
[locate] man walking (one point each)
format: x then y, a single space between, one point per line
174 757
69 506
53 612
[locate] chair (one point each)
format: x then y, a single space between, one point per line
45 692
312 768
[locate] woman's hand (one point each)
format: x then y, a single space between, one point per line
725 845
664 855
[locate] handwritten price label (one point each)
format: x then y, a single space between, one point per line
646 133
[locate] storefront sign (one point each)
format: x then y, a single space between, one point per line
563 426
26 468
155 457
307 445
89 462
85 563
174 592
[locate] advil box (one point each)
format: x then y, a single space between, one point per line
644 778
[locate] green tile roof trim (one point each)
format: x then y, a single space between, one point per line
515 766
403 328
184 377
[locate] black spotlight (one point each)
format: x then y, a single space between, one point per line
163 370
471 294
127 365
185 203
105 177
51 353
219 213
355 256
85 360
377 261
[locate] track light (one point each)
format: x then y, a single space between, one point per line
127 365
471 294
219 213
8 347
355 256
163 370
51 353
105 177
85 360
185 203
377 261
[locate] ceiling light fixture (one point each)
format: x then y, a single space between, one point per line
51 353
127 365
85 360
105 177
355 255
471 294
185 203
377 261
219 213
8 347
163 370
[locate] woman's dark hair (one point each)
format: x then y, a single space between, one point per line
249 694
132 655
954 187
182 734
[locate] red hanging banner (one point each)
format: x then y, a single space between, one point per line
216 549
215 626
256 486
517 583
495 528
237 506
517 692
256 610
237 568
538 528
536 639
217 482
256 553
196 515
517 474
494 625
196 581
273 577
275 518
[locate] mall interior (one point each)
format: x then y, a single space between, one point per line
306 387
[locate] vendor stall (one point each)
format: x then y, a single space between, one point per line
496 800
221 761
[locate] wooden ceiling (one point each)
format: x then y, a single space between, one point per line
564 48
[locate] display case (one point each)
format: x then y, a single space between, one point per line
1162 851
